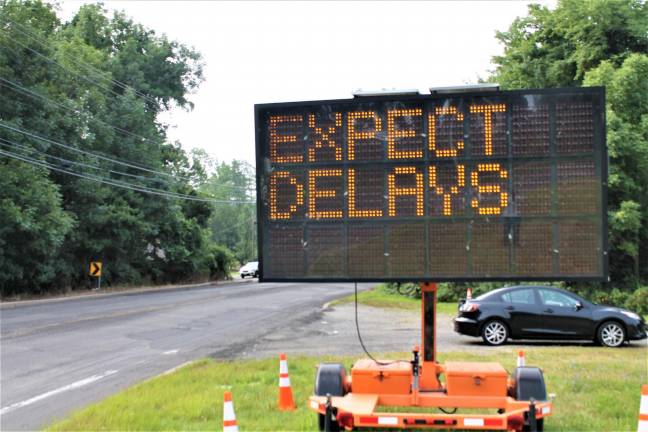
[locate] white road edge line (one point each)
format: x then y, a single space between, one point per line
175 351
72 386
173 369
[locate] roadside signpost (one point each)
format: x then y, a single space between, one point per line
95 271
476 185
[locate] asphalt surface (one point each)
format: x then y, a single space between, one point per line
58 356
332 330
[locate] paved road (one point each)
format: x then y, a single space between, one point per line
59 356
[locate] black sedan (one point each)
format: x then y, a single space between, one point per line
543 312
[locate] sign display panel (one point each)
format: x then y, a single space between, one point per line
471 186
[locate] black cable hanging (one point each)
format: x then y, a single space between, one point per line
355 284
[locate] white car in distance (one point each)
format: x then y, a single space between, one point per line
250 269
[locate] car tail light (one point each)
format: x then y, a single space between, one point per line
469 307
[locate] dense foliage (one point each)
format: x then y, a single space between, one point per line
635 300
98 83
591 43
94 87
597 42
233 226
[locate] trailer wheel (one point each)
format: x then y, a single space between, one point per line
539 426
529 384
330 380
495 332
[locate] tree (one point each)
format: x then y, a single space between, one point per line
234 226
93 87
627 125
33 228
596 43
556 48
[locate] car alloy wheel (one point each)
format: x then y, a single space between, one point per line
611 334
495 333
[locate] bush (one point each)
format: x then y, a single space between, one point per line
450 292
453 291
638 301
446 292
408 289
220 262
613 298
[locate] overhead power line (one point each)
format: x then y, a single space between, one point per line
12 144
68 147
139 177
119 184
101 74
82 76
33 94
99 156
52 61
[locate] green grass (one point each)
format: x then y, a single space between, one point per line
596 388
380 297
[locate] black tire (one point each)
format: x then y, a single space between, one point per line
330 379
495 332
321 419
242 276
528 383
611 334
539 426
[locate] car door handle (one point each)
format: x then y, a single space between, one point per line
548 310
510 308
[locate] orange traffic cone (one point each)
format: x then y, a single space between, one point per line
286 402
469 293
643 410
229 418
520 359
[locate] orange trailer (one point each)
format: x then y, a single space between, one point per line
402 394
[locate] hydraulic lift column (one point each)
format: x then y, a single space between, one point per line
429 366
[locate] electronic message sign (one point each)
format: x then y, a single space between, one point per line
503 185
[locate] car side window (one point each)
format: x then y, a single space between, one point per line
555 298
523 296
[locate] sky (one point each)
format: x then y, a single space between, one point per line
258 52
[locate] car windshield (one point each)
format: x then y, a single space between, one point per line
251 265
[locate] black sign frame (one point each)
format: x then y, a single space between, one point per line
600 124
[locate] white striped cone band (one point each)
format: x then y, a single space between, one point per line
229 419
643 410
520 360
284 380
283 366
228 411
